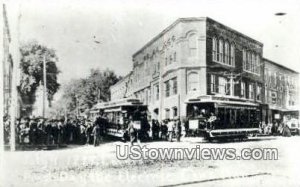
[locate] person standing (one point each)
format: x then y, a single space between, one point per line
178 129
96 133
171 126
89 132
131 131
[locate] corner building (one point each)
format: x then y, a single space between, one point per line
198 64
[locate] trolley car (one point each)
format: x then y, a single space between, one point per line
118 113
216 118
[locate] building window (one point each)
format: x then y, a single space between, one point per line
167 113
232 55
251 91
223 52
174 81
213 87
215 49
175 112
251 62
157 92
167 88
222 85
171 59
244 59
192 45
243 89
193 82
274 97
227 53
220 51
258 93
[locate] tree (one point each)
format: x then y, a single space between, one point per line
32 57
82 94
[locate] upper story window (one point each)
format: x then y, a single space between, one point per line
192 45
251 91
167 113
213 86
193 82
223 52
226 53
243 89
223 87
220 59
215 49
170 59
167 88
175 112
258 93
174 82
251 62
232 55
156 92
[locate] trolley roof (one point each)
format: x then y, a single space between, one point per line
118 103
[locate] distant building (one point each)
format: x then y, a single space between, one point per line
281 91
198 60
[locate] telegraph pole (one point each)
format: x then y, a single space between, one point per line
45 86
1 84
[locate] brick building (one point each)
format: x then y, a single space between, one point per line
198 64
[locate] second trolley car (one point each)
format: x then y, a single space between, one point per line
117 115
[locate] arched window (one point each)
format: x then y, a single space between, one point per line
253 58
192 45
221 50
193 82
249 64
215 49
257 64
232 55
226 53
244 59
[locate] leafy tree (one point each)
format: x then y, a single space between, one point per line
32 57
84 93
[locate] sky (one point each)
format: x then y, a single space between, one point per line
123 27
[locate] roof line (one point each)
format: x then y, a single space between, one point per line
191 19
280 65
166 30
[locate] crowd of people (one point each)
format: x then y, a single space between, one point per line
39 131
58 132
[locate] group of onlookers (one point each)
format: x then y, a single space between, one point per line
39 131
275 128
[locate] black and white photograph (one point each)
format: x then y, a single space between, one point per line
156 93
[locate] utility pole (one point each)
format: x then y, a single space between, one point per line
45 86
1 85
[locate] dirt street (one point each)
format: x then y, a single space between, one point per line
99 166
